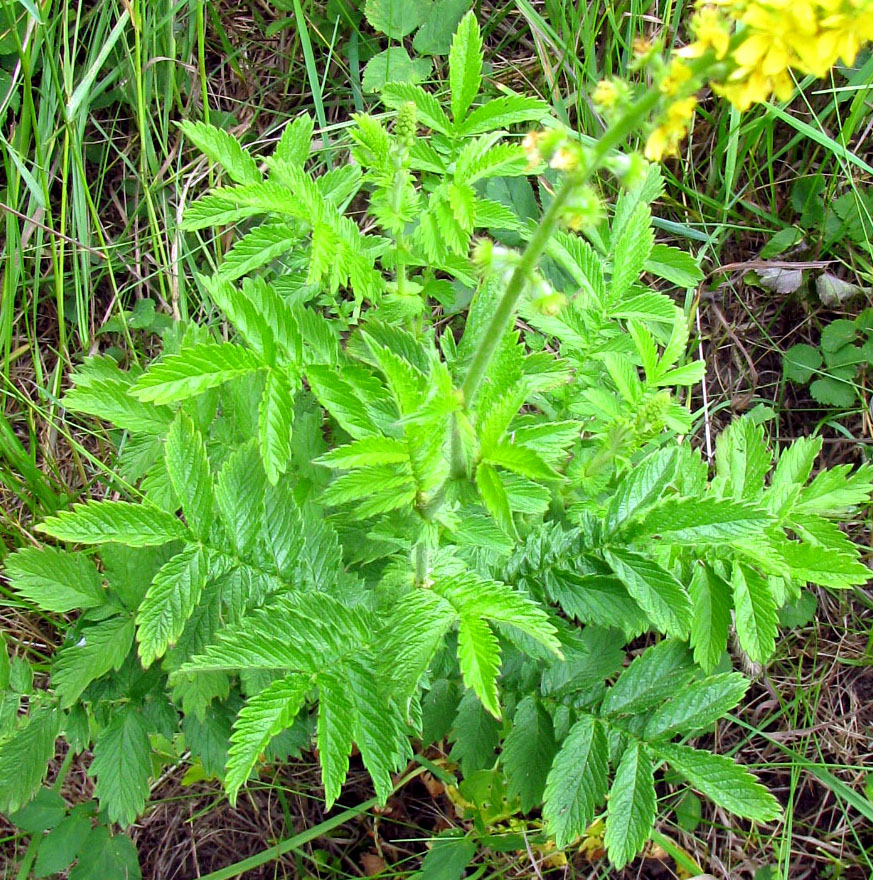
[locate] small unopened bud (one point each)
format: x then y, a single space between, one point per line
630 169
550 305
483 253
565 158
583 208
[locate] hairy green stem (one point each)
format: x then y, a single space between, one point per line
537 244
613 136
422 563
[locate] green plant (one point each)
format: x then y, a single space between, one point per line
839 225
68 839
433 21
399 529
834 369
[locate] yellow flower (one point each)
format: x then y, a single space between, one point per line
658 144
664 139
678 74
711 31
809 36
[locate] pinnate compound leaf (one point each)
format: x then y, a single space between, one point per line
25 758
170 600
755 612
577 782
122 766
479 657
239 493
274 425
243 315
55 580
102 391
475 734
825 567
499 160
702 521
376 489
264 715
380 729
472 595
339 398
835 490
120 522
277 636
465 66
296 141
415 630
711 616
502 112
726 783
367 451
257 248
632 249
494 497
743 459
520 460
195 370
283 529
632 806
697 706
659 671
224 149
228 204
528 752
321 557
674 265
100 648
655 590
336 731
278 315
641 487
188 467
795 463
598 599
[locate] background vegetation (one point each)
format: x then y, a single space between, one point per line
775 204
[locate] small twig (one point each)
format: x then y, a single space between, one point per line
748 265
531 856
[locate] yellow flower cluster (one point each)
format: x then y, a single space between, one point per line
757 43
809 36
664 138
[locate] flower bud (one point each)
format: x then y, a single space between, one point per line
549 305
405 124
583 208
